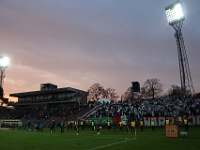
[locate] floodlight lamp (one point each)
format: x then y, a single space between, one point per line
4 62
174 13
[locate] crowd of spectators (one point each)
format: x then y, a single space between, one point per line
150 108
6 113
39 112
136 108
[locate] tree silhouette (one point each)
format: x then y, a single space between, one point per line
151 88
96 91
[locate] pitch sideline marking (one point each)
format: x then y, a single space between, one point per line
108 145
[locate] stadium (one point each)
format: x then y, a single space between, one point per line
61 117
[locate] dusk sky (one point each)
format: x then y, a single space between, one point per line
77 43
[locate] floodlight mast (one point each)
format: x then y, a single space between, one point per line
175 18
4 61
2 77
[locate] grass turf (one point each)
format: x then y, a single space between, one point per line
107 140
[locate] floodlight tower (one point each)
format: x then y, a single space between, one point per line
175 17
4 62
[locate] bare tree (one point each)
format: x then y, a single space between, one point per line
105 93
128 95
151 88
111 94
174 91
95 92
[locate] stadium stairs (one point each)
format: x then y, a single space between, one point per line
86 112
89 112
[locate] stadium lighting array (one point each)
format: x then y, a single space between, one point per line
174 13
4 62
175 18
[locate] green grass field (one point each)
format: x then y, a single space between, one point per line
89 140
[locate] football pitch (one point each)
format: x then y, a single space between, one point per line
90 140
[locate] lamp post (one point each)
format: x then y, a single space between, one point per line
4 62
175 18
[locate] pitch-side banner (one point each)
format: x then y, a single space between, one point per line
102 120
160 121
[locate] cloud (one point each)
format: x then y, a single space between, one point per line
79 43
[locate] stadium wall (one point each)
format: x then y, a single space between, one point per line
160 121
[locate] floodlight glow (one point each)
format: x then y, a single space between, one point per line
4 61
178 11
174 13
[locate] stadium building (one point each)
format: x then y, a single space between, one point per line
50 100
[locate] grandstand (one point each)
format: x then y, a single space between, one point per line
52 103
49 102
